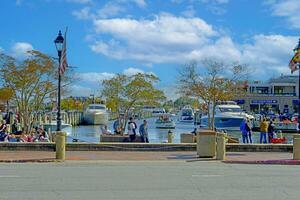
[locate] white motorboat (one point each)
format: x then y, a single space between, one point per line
186 114
52 126
52 123
96 114
228 116
165 122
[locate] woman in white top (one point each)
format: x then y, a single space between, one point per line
131 129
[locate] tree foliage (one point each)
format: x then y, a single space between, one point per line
185 100
30 81
124 93
6 94
72 104
215 82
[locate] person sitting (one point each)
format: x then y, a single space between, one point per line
27 138
117 126
105 130
3 132
42 135
14 128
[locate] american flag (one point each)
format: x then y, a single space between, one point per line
293 66
63 62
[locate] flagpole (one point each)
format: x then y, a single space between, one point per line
59 95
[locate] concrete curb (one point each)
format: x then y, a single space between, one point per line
264 162
31 161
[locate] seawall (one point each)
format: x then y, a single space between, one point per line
142 147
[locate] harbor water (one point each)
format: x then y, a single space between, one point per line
92 133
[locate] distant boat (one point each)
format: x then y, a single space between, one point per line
165 122
96 114
158 112
186 114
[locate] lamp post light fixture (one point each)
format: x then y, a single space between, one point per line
296 49
59 41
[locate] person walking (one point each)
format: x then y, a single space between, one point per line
143 130
244 131
131 129
249 130
271 129
263 131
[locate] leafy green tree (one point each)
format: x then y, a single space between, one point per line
214 83
124 93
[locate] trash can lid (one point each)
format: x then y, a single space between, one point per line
206 132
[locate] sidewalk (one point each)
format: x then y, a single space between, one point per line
231 157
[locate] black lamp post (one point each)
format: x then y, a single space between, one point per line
296 49
59 41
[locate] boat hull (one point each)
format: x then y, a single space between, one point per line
53 126
225 123
91 118
165 125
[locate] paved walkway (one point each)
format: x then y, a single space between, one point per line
231 157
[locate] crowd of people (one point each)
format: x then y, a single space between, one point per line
38 134
267 131
132 129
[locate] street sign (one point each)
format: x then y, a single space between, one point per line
264 101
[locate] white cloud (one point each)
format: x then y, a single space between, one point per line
78 90
110 9
189 12
158 40
269 53
83 13
90 82
140 3
94 78
288 9
132 71
170 91
170 39
19 49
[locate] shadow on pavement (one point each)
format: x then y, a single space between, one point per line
188 157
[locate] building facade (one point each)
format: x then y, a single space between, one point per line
278 95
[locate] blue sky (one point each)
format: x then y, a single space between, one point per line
154 36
